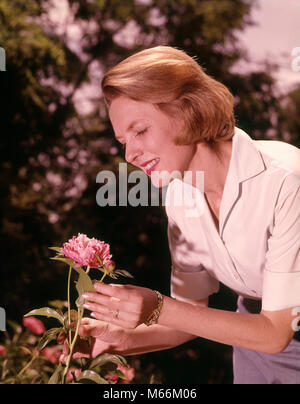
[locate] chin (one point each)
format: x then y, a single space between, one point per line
160 179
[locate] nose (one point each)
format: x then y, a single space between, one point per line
132 152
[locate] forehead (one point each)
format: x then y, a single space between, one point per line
122 107
125 112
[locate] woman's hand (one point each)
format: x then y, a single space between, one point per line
104 337
125 306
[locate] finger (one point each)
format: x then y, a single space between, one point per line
78 355
62 358
110 302
66 349
85 327
92 328
110 309
108 313
122 292
72 325
65 353
116 321
98 307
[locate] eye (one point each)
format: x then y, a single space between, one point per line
141 132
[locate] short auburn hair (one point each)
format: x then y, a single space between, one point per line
178 86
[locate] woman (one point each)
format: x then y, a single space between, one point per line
170 116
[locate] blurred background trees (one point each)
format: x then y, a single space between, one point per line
55 138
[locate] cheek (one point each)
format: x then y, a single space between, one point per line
176 159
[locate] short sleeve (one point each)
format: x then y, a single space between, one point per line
281 280
189 279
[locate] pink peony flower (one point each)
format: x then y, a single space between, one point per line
2 350
111 377
127 371
84 251
71 372
110 265
52 354
34 325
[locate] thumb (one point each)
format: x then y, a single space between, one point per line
65 352
92 328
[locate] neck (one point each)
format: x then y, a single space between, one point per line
214 161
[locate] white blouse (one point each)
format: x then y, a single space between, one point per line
255 251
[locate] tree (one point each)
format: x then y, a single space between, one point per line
51 149
288 119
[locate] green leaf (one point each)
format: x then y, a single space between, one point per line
112 275
107 358
123 272
46 312
15 326
67 261
84 284
49 336
93 376
73 316
10 380
58 304
27 350
57 249
56 377
119 374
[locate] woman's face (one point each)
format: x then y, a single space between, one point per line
147 135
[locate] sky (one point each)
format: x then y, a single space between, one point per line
274 37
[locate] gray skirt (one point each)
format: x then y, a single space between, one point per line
251 367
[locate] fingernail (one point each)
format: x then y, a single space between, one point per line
85 296
86 305
93 315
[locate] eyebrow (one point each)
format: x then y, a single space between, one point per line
132 125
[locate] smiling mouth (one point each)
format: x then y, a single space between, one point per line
150 166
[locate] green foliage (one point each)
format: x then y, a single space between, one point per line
25 361
83 284
88 371
47 312
51 151
289 119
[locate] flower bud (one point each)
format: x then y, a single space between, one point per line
110 266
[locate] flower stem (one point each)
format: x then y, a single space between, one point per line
80 313
69 306
28 365
104 275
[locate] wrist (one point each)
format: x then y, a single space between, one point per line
154 316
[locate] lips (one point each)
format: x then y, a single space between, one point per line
150 165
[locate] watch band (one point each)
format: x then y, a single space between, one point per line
156 313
